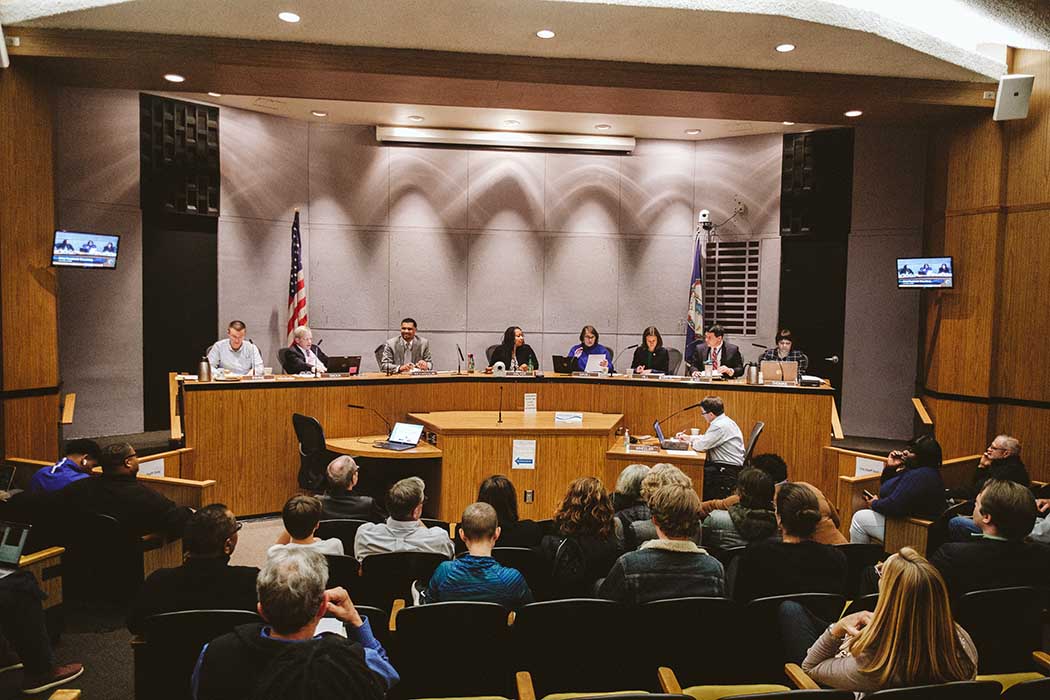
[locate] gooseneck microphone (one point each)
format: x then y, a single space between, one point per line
389 429
619 354
681 410
500 405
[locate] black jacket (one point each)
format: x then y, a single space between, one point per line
773 568
730 357
523 355
137 507
199 584
295 360
987 563
1007 469
336 505
660 361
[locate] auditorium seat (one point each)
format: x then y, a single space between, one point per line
1005 624
864 602
766 651
532 565
526 692
343 529
443 524
344 571
1035 689
669 684
103 560
671 628
858 558
167 651
386 577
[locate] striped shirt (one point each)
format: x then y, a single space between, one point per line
482 579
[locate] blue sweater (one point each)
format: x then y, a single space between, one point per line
579 364
478 579
56 478
911 492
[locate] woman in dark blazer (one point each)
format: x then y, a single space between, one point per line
651 355
514 353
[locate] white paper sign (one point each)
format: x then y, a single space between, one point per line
568 418
524 455
330 624
530 403
153 467
867 467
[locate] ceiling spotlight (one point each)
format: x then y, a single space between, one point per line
173 77
317 113
853 113
215 94
512 122
785 48
603 127
415 118
289 17
545 34
788 123
692 132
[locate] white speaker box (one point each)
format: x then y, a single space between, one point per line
4 60
1011 99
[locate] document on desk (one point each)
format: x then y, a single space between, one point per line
682 453
523 455
530 404
568 418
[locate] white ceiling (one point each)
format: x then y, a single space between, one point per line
836 36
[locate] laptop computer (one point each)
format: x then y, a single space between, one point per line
773 371
562 365
350 364
665 443
13 538
404 436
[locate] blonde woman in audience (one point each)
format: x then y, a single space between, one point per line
909 640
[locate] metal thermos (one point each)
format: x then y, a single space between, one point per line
751 374
204 371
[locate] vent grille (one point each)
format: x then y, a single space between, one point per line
731 273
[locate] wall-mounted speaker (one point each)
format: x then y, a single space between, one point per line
4 60
1011 99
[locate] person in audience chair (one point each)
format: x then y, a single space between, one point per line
1005 512
476 575
339 500
275 654
672 566
514 353
827 531
751 519
639 531
1001 461
910 639
499 492
796 563
651 356
627 500
303 355
117 492
205 580
585 545
402 531
301 516
911 485
578 354
81 456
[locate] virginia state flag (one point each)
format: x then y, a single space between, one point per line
694 330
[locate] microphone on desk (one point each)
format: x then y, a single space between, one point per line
389 429
681 410
500 404
460 360
629 347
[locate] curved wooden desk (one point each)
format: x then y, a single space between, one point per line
363 447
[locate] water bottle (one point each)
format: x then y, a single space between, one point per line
470 362
708 368
626 440
204 370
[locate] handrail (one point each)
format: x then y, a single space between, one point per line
68 407
836 424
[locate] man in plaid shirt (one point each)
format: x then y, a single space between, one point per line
784 352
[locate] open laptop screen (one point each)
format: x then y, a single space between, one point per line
12 541
406 432
659 431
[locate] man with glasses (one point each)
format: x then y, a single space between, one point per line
118 493
205 580
406 352
724 444
1000 462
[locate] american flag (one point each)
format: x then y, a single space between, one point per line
296 283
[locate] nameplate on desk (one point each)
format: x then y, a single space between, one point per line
151 467
568 418
643 448
682 453
185 377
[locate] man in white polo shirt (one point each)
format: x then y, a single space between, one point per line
234 355
724 444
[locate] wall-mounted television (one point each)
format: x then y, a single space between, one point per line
82 249
925 273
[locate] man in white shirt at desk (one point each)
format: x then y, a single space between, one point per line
724 444
234 355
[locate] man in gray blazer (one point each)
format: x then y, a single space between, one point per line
406 352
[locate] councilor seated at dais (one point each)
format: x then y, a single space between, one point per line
580 354
514 353
785 351
233 355
723 356
651 355
303 355
407 351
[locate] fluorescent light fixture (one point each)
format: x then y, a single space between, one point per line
505 139
785 48
545 34
853 113
289 17
173 77
788 123
603 127
692 132
215 94
317 113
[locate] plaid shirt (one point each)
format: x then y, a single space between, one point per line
792 356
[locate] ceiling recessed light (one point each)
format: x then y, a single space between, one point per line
289 17
215 94
318 113
853 113
512 122
692 132
603 127
785 48
545 34
173 77
415 118
788 123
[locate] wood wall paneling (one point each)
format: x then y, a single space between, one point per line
974 174
1029 139
961 427
31 427
1029 425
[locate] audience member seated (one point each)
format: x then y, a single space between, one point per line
661 474
1041 530
671 566
910 639
118 493
750 519
585 545
339 500
476 575
402 531
81 456
627 501
205 581
911 486
284 657
499 492
28 646
1002 462
301 516
1004 512
796 563
827 531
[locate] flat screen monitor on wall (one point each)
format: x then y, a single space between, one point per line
82 249
925 273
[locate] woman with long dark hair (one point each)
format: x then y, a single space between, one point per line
514 353
651 356
499 492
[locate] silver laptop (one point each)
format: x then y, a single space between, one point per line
13 538
785 372
668 444
404 436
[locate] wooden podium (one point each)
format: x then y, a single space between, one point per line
474 446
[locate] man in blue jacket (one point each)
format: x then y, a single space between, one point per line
82 455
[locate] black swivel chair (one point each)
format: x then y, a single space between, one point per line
489 352
387 577
379 356
667 624
282 357
755 432
103 560
314 456
343 529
